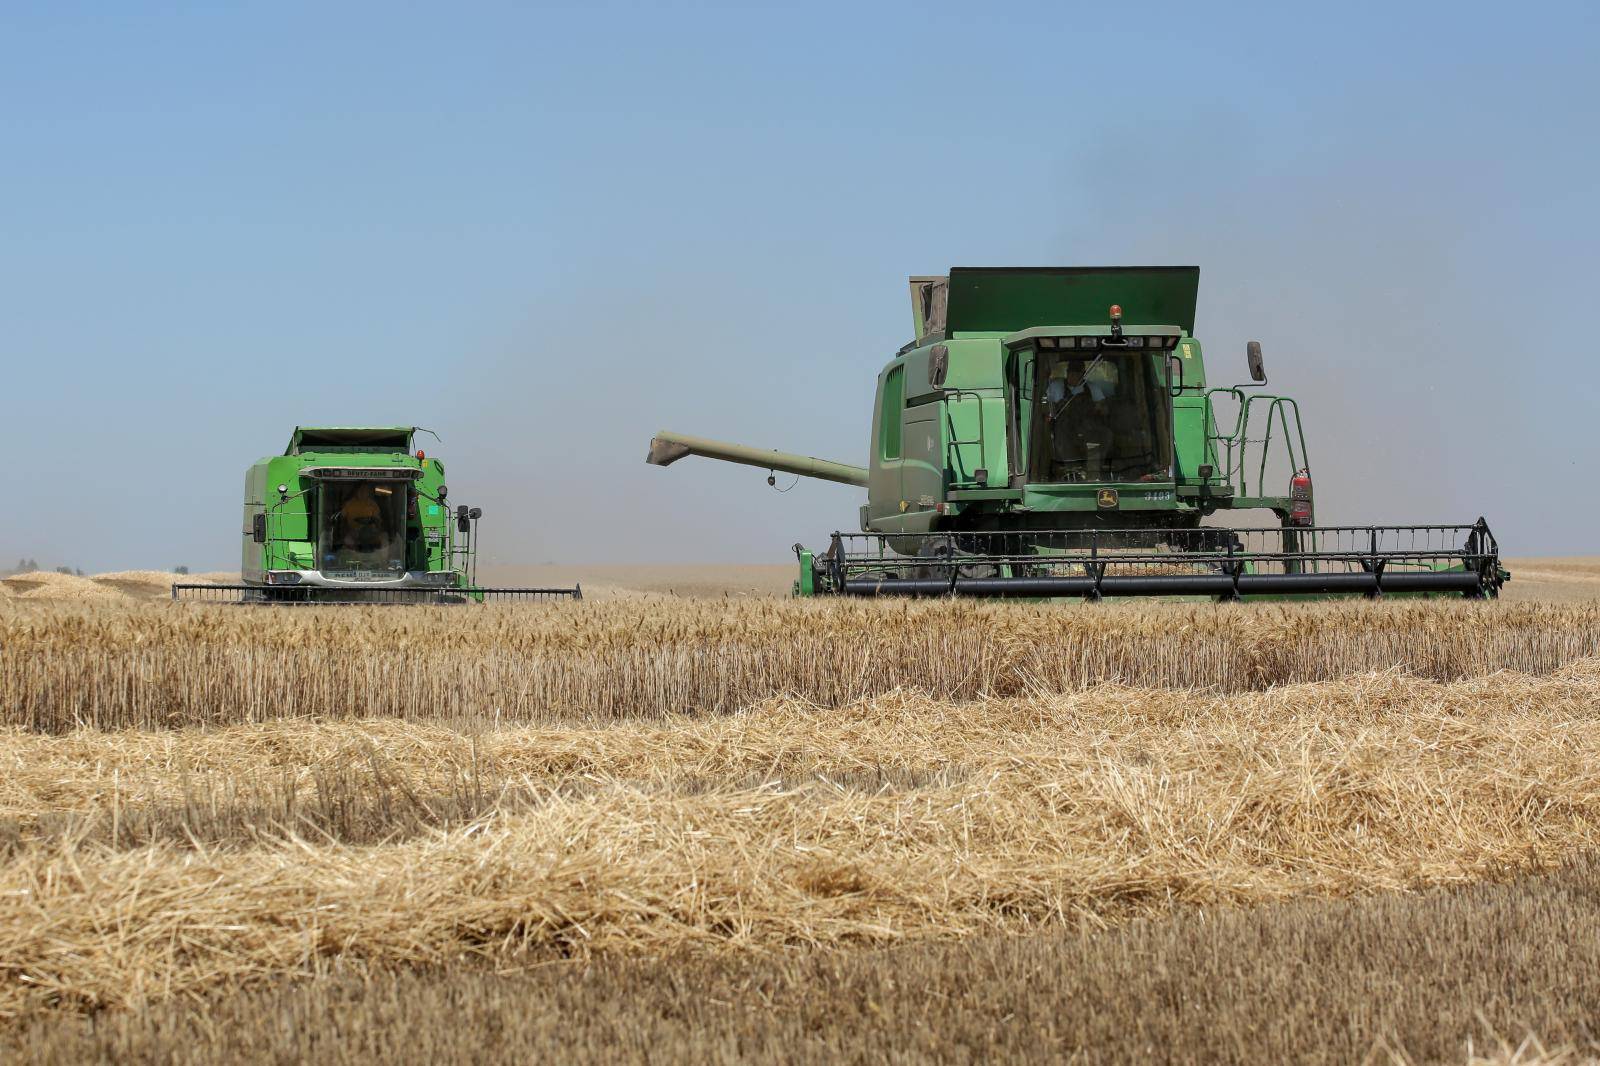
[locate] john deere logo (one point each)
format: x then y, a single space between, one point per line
1106 498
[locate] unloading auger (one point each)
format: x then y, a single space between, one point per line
1034 440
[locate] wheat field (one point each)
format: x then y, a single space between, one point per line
307 814
71 665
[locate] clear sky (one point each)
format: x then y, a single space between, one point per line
547 231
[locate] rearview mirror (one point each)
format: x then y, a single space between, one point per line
1258 369
938 365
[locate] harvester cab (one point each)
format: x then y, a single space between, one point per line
1053 431
355 514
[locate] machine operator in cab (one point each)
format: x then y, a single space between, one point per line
1080 429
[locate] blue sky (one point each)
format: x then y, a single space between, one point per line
548 231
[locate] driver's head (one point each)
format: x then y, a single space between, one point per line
1070 371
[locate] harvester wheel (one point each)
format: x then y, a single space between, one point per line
1211 540
943 562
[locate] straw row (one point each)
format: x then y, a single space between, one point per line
1465 975
1046 811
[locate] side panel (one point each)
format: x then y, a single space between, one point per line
289 541
434 526
970 363
255 480
883 478
922 472
1191 416
1024 401
975 439
972 413
946 432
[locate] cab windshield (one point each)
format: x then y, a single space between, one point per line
362 528
1099 416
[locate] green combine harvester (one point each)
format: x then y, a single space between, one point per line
1053 432
351 514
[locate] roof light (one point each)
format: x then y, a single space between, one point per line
1116 311
422 455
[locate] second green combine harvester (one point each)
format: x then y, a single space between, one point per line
1053 432
355 514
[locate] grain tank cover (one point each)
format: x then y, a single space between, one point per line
1007 299
350 439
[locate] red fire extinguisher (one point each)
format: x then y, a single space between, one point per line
1300 498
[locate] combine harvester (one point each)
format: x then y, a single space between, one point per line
351 514
1052 432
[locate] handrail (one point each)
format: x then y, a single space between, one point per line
272 512
1236 443
448 551
1279 406
1228 440
950 453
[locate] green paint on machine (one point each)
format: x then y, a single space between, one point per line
1053 431
353 514
351 506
